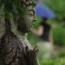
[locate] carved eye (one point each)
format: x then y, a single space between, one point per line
31 12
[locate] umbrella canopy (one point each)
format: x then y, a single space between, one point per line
44 11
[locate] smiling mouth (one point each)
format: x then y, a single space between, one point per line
34 20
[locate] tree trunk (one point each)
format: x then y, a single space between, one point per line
15 48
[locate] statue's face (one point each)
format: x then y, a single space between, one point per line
28 18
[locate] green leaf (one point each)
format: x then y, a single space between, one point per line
1 3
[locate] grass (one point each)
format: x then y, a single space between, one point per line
54 61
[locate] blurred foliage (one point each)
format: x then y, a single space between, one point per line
61 53
59 35
53 61
58 6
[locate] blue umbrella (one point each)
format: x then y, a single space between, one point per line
44 11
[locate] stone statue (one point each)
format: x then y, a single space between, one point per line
15 49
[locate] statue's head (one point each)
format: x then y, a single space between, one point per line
26 20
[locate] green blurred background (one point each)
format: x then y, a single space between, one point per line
58 6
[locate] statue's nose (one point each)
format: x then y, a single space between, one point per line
35 17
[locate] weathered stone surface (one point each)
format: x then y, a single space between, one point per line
14 46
